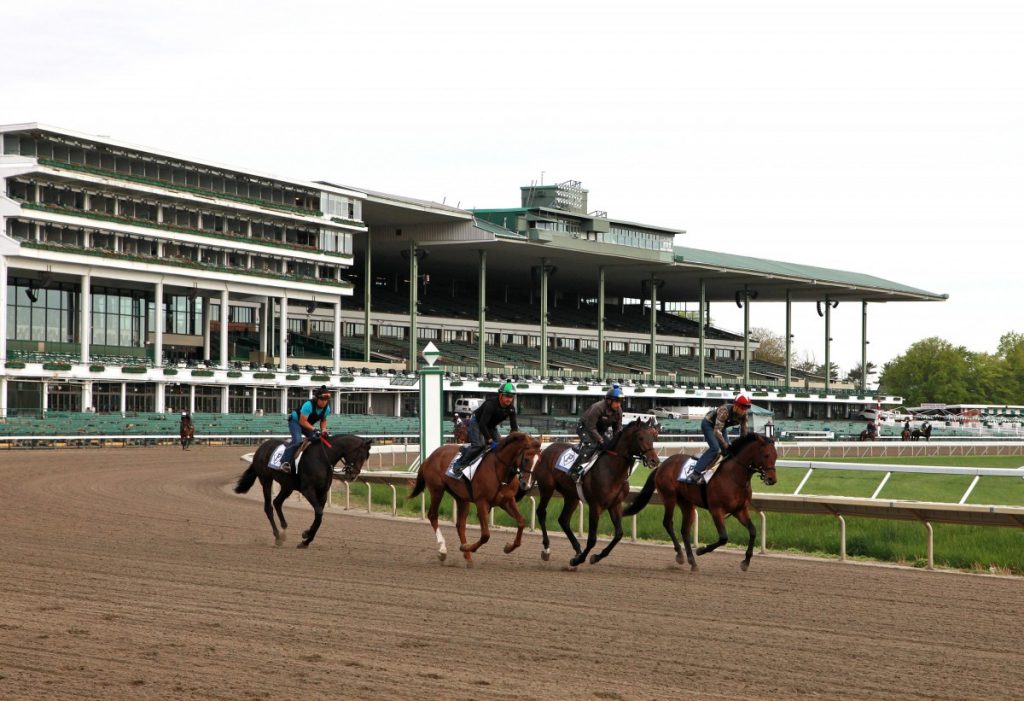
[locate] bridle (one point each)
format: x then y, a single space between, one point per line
518 469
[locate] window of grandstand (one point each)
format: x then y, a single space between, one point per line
354 329
389 331
334 205
428 334
335 242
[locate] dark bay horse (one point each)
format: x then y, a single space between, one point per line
495 483
919 434
187 433
728 493
316 472
461 431
604 487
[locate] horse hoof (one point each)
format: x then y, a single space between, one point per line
305 534
569 568
545 555
279 539
594 559
442 556
509 547
680 558
469 564
693 566
744 565
303 545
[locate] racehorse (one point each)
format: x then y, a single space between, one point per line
868 436
926 433
187 433
728 493
604 486
461 431
316 472
495 483
905 435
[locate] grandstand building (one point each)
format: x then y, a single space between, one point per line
135 280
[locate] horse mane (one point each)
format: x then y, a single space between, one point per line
511 438
742 442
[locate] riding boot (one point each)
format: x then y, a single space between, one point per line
576 472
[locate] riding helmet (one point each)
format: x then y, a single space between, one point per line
743 401
508 388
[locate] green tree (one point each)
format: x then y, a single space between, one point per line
855 374
1011 353
987 379
931 370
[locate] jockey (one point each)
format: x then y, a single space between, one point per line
594 424
300 422
483 424
715 425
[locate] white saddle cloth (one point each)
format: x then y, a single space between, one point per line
467 471
687 469
277 455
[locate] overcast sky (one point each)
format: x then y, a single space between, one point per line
878 137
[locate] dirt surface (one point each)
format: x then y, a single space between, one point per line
134 573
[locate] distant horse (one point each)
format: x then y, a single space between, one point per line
905 434
926 433
496 482
316 472
604 486
868 435
727 494
187 434
461 431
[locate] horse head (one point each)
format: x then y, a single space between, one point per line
639 437
352 451
758 454
520 453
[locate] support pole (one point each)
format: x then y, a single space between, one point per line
225 319
702 297
367 297
828 344
654 327
864 347
85 322
746 337
600 323
282 335
789 339
413 300
482 312
337 337
543 317
158 324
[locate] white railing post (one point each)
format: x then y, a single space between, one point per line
931 545
369 497
842 537
394 500
764 532
533 514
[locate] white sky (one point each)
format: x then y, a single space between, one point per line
879 137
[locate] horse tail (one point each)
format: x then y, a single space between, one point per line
246 481
641 499
420 486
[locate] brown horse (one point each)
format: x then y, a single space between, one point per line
604 486
495 483
461 431
316 475
905 434
727 494
187 433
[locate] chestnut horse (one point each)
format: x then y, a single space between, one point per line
495 483
728 493
316 475
604 486
461 431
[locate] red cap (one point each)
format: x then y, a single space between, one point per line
742 400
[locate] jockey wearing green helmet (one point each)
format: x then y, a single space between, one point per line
483 425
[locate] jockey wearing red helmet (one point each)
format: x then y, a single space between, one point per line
714 426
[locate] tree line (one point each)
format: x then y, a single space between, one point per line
931 370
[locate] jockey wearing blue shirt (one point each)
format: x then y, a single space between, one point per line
301 422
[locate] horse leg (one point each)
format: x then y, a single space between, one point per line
723 537
317 500
569 505
279 500
483 511
743 516
689 512
666 522
435 505
542 518
512 509
462 515
595 517
268 510
616 515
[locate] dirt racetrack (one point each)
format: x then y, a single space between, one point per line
134 573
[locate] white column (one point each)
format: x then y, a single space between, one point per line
161 397
85 317
283 334
337 336
3 323
225 397
206 328
86 395
158 324
337 401
261 312
124 398
3 397
225 315
191 399
46 396
284 400
255 399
